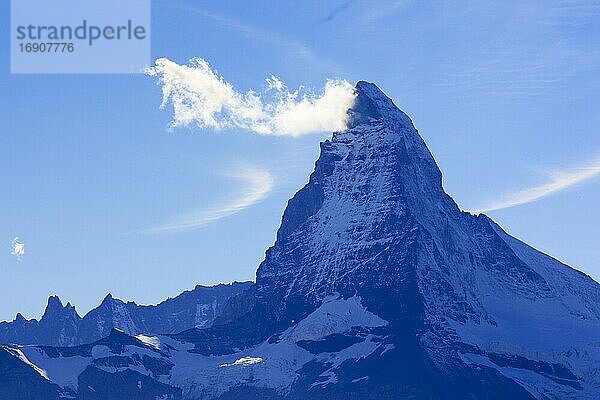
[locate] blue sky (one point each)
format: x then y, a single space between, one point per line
504 94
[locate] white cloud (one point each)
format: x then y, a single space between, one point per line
258 182
200 96
560 180
17 248
275 83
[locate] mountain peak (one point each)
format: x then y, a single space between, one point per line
366 104
373 183
380 152
370 90
54 305
372 104
56 311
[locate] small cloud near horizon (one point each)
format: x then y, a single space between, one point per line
560 180
203 98
258 184
17 248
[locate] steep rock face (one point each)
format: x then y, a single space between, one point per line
359 234
59 324
380 222
378 287
62 326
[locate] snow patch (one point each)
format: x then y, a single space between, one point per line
151 341
19 354
335 315
61 370
244 361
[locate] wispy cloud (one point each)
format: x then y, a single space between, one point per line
293 48
200 96
381 10
258 184
509 66
17 248
559 181
516 71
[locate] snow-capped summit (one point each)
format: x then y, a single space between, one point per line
375 187
377 287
